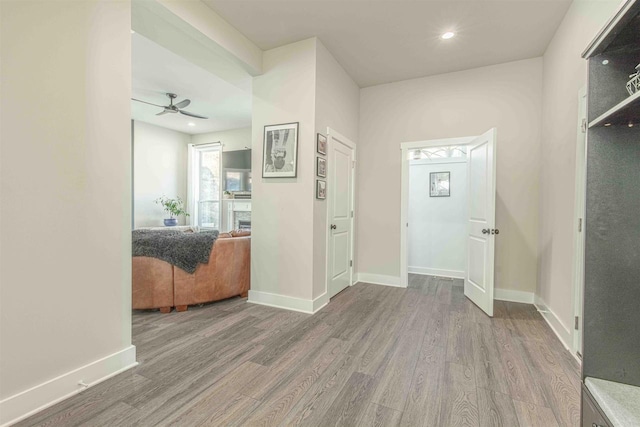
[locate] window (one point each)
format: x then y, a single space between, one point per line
436 153
204 185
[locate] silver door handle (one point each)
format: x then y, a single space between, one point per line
486 231
333 226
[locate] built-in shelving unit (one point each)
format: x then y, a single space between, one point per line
611 324
624 113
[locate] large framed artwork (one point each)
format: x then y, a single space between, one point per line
440 184
280 151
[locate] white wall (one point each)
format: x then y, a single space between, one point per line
337 107
565 72
65 266
437 234
282 208
159 168
232 140
506 96
301 82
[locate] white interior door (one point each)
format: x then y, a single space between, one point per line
340 213
478 284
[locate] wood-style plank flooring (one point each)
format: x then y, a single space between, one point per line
376 355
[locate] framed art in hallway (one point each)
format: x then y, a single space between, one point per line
321 167
280 153
440 184
321 189
321 144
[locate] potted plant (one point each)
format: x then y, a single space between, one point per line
174 207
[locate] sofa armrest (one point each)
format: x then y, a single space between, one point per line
227 274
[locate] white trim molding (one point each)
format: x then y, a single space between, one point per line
26 403
562 332
453 274
288 303
513 296
380 279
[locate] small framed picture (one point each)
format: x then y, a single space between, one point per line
321 167
321 146
280 151
321 189
439 184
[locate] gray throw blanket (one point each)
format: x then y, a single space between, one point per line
184 250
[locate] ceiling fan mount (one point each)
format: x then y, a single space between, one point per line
173 108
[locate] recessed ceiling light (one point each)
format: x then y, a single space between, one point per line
447 35
605 62
191 124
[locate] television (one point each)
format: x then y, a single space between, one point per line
236 170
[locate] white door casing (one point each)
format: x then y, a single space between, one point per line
340 206
479 281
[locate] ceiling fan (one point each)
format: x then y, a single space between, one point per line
173 108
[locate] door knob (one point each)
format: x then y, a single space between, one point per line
486 231
495 231
333 226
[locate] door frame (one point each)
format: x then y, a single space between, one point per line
331 135
578 229
405 147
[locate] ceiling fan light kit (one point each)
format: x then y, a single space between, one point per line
173 108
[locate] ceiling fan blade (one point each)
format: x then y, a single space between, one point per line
186 113
165 111
145 102
183 103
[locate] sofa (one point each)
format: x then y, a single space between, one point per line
158 284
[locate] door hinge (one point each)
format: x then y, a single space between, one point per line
576 325
351 263
584 126
353 164
351 214
579 225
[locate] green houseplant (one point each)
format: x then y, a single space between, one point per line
174 207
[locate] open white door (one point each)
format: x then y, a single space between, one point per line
478 284
340 212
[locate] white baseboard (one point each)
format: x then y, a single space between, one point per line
288 303
562 332
454 274
513 296
380 279
320 302
26 403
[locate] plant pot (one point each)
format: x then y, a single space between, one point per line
170 222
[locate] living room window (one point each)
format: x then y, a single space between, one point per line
205 191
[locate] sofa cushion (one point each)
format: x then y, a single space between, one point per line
240 233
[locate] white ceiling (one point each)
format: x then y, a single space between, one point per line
157 71
385 41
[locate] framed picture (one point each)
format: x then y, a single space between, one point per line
280 159
321 167
321 189
321 144
439 184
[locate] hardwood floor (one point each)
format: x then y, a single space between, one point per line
376 355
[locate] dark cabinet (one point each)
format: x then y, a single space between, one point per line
592 415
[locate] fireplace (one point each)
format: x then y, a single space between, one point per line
244 224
